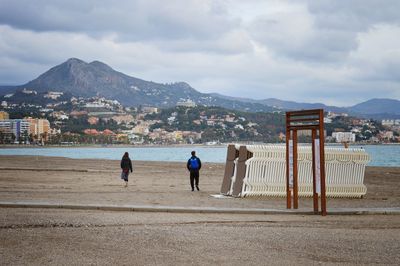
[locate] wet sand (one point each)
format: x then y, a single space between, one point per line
65 237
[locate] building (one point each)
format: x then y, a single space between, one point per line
387 135
141 129
187 103
178 135
21 130
59 115
344 136
78 113
92 132
390 122
307 133
53 95
108 132
39 128
17 128
149 110
5 126
93 120
123 119
26 91
4 115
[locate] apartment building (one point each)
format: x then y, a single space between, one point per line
344 136
39 128
18 127
4 115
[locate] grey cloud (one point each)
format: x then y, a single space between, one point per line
356 15
313 44
129 20
387 72
325 32
303 51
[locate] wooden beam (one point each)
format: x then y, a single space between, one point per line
240 171
229 169
295 173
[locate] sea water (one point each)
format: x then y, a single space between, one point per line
381 155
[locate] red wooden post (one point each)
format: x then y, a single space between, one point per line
322 161
288 189
315 194
295 172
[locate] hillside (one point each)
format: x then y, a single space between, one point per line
79 78
98 79
378 108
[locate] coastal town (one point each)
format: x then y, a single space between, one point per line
60 119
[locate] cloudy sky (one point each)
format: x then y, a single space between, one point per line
335 52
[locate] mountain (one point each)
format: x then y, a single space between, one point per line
290 105
377 108
98 79
7 89
78 78
285 105
374 108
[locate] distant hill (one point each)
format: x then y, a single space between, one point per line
285 105
290 105
98 79
378 108
79 78
374 108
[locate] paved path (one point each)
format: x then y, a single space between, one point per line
176 209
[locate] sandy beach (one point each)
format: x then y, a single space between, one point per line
65 237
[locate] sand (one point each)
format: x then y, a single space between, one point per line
73 237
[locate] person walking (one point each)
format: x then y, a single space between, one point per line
194 166
126 166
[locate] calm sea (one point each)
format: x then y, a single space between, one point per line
381 155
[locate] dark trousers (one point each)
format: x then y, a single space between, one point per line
194 176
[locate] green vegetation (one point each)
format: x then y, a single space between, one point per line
221 124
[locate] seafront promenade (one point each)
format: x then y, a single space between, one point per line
67 213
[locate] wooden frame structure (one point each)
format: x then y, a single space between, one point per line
305 120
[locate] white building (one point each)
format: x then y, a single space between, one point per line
187 103
344 136
53 95
26 91
390 122
149 109
95 105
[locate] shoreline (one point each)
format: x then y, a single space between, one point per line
380 155
16 146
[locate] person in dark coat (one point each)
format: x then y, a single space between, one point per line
126 166
194 165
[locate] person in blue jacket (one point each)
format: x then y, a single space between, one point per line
194 166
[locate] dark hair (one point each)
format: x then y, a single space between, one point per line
126 155
193 153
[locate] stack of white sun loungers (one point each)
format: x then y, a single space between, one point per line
266 171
